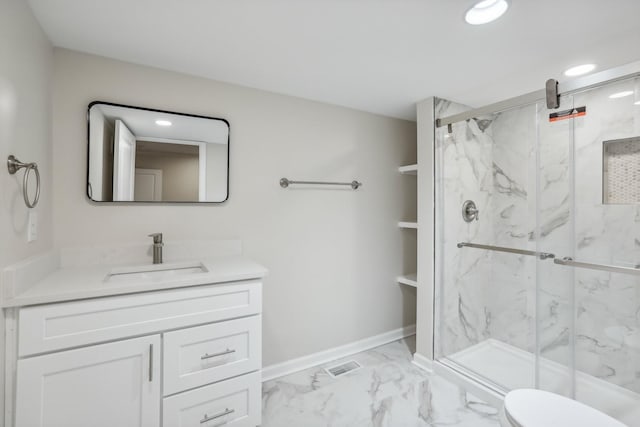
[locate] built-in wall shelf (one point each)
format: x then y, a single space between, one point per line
407 224
409 169
409 280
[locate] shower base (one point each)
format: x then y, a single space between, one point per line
508 367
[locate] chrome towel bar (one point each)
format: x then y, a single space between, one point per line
14 165
284 183
541 255
602 267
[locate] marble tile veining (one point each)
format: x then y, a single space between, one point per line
387 391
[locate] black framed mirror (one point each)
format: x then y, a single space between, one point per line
145 155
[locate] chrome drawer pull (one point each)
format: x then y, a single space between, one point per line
222 353
207 418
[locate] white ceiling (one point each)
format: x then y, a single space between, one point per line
373 55
142 123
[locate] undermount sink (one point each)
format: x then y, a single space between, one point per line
156 271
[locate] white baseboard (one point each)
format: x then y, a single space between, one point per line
423 362
305 362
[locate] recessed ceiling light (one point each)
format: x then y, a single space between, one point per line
621 94
486 11
636 103
163 122
580 70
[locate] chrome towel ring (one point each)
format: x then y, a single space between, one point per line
14 165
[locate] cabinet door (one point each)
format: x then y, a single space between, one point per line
108 385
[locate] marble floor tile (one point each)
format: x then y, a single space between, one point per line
387 391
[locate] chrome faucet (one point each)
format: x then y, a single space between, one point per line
157 247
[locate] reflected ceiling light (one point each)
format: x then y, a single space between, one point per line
580 70
621 94
486 11
163 122
636 103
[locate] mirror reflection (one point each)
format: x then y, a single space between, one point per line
145 155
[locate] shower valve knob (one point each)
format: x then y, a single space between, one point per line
470 211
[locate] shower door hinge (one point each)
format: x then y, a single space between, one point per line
553 97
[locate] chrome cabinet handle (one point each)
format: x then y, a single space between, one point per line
222 353
150 362
207 418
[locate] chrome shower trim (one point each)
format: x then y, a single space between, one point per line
470 211
541 255
591 266
583 83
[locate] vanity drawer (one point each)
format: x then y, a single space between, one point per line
235 402
77 323
205 354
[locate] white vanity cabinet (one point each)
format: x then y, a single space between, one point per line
171 358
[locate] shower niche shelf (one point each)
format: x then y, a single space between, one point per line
621 171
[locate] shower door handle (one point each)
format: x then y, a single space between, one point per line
541 255
568 261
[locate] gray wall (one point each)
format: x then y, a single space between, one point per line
25 131
179 173
25 127
333 254
425 293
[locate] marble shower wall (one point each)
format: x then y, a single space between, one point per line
559 209
463 171
510 297
490 160
607 305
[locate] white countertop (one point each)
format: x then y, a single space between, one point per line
77 282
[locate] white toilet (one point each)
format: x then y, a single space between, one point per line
539 408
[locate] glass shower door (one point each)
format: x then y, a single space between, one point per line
555 329
566 182
486 297
607 233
